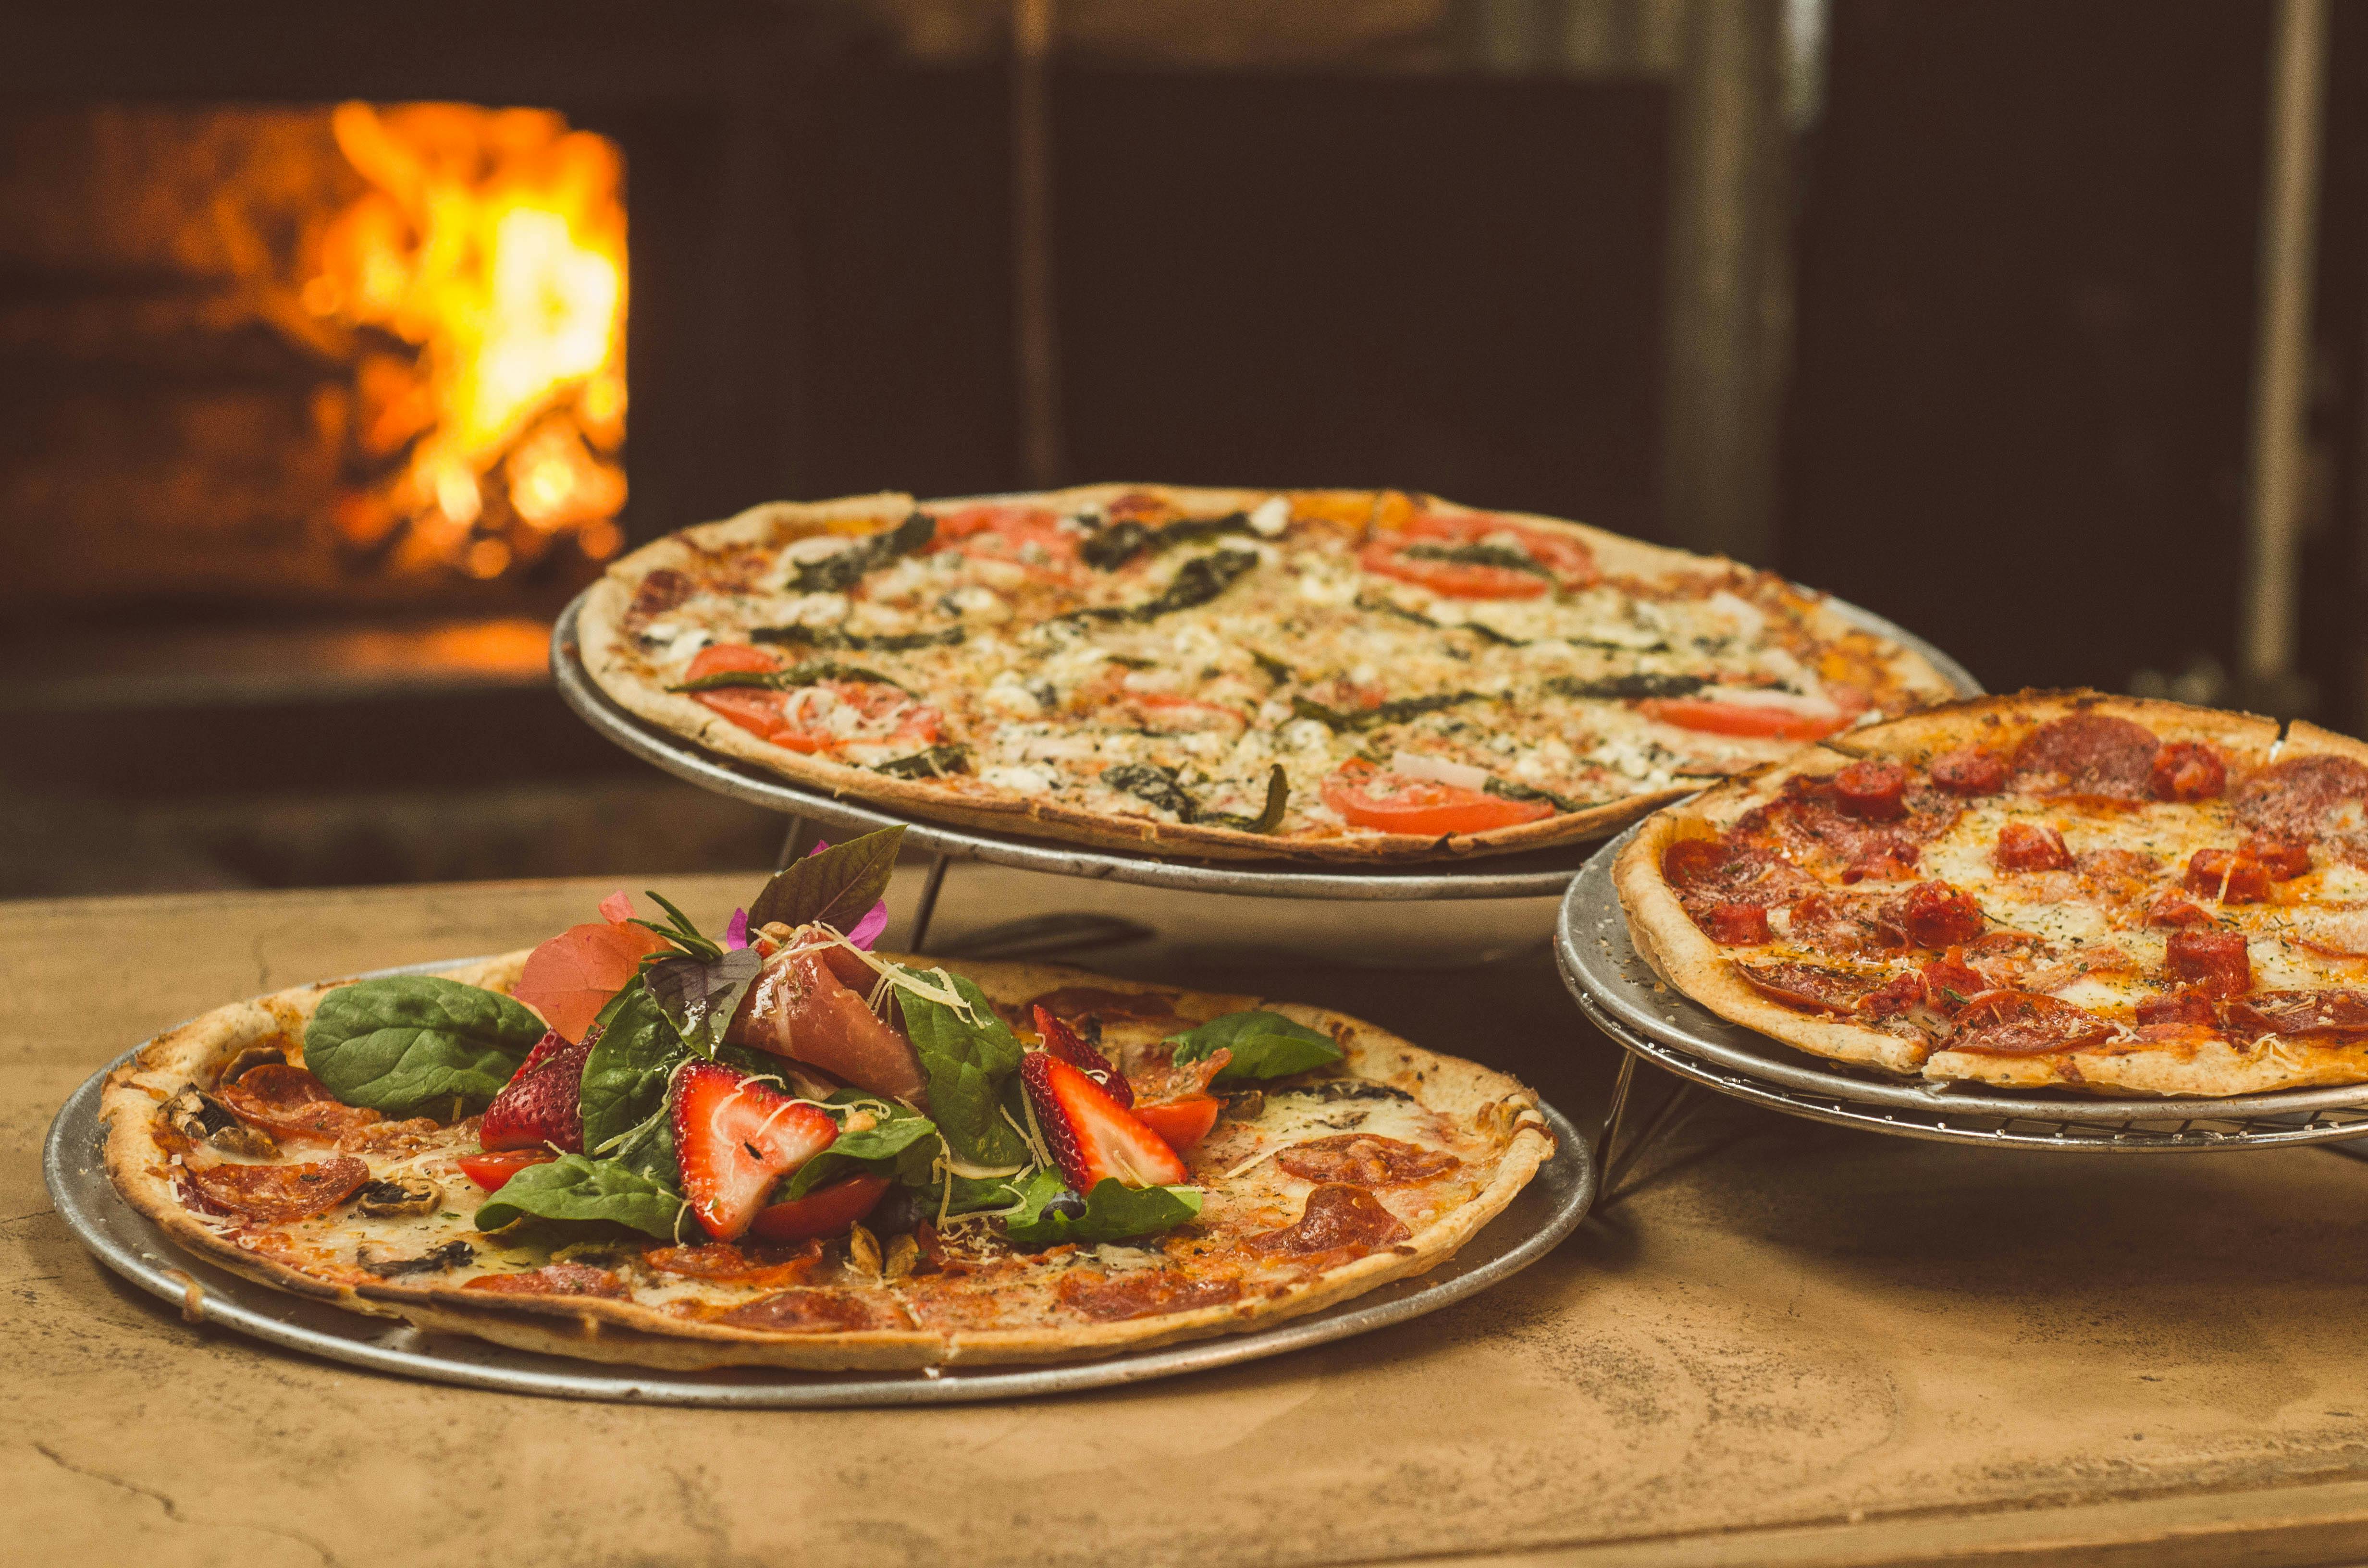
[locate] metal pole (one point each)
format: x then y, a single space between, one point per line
790 844
928 904
1035 324
2281 354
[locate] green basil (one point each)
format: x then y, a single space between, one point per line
575 1188
1265 1045
406 1043
1112 1212
837 887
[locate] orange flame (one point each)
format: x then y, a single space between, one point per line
493 244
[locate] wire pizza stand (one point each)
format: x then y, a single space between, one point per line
1621 996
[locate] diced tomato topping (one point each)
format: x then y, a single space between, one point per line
824 1211
2188 770
2230 876
1710 716
1180 1123
730 658
1393 802
2027 847
491 1170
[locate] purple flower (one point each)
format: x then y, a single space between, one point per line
736 931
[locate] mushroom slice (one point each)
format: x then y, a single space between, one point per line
199 1117
401 1195
253 1056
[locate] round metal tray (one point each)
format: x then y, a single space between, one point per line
1546 1212
1544 873
1622 994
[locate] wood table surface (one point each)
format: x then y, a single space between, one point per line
1786 1344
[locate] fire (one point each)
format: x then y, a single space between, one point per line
483 274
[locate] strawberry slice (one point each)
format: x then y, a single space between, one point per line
735 1138
542 1103
1063 1042
1092 1137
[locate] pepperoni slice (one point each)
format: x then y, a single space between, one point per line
1363 1159
2169 909
2284 859
2027 847
1874 789
1736 924
2186 1006
722 1261
818 1311
2018 1023
2303 797
1884 862
1900 994
274 1195
1934 915
2188 770
290 1103
2230 876
2088 755
1808 988
1141 1293
1709 871
1969 770
1842 924
1338 1218
660 591
2308 1013
554 1279
2213 960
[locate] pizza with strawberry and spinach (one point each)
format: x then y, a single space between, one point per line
638 1142
2051 889
1344 676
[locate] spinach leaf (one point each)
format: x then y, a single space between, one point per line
404 1043
1121 543
625 1076
1112 1212
1269 816
938 761
1196 581
900 1144
1476 555
804 673
1265 1045
1513 791
1620 688
837 572
575 1188
699 995
897 642
968 1063
1395 711
837 887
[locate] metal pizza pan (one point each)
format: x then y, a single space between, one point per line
1546 1212
1542 873
1616 987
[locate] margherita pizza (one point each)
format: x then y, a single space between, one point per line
1334 675
2056 890
798 1153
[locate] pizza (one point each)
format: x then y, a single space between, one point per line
2051 889
1320 674
638 1145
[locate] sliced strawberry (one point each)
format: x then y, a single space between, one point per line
490 1171
1063 1042
735 1138
826 1211
542 1105
1181 1123
1092 1137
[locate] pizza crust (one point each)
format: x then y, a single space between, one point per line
1685 957
626 1332
606 649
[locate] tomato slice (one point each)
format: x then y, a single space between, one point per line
729 658
1456 579
1712 716
1567 562
824 1211
490 1170
1366 796
1029 537
1182 1123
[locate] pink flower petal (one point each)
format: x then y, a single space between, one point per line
820 845
736 932
866 930
616 909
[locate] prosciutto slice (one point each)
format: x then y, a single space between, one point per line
802 1006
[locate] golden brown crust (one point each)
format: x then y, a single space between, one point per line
969 802
627 1332
1683 955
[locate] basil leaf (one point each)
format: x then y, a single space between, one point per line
900 1144
403 1044
575 1188
837 887
1112 1212
967 1065
625 1076
699 995
1265 1045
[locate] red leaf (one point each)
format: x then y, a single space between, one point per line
570 978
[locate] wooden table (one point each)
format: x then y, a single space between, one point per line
1790 1344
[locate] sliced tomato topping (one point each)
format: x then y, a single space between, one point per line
1425 550
1180 1123
729 658
798 722
1366 796
1456 579
1028 537
1713 716
492 1169
824 1211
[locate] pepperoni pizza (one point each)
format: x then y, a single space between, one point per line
2053 890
